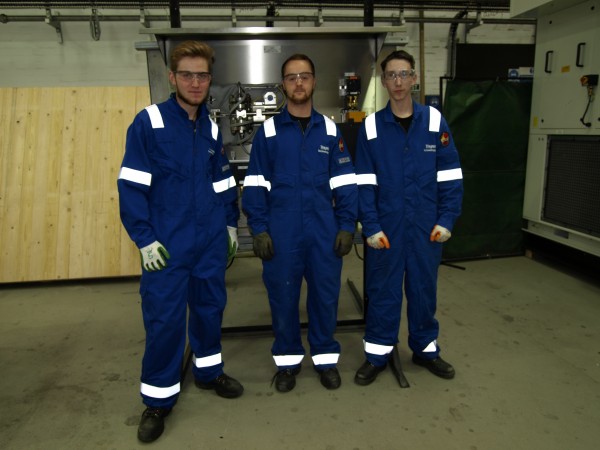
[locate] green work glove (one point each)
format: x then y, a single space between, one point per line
232 239
154 257
263 246
343 243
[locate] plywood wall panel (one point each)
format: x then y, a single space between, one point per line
66 155
13 189
29 103
60 154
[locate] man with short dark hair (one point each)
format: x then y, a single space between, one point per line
410 193
178 202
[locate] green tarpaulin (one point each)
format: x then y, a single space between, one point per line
490 125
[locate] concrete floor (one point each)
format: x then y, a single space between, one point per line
523 336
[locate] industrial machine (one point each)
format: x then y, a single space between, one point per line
350 90
246 83
246 89
562 188
239 110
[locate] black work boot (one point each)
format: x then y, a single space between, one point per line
367 373
436 366
330 378
224 385
152 424
285 379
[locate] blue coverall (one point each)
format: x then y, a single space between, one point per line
176 187
408 183
300 187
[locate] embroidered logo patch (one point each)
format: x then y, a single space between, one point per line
344 160
323 149
341 145
445 139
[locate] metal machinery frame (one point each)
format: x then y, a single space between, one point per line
245 92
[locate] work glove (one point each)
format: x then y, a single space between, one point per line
263 246
343 243
154 257
232 240
378 241
439 234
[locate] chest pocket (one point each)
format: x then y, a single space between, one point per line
171 180
283 192
323 195
390 194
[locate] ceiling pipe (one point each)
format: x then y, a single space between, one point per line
270 14
95 30
4 18
452 43
369 14
175 14
456 5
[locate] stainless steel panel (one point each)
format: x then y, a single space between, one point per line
253 57
259 61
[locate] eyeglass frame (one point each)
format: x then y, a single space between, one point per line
201 77
302 76
390 75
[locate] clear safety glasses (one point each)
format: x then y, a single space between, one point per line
302 76
188 77
402 74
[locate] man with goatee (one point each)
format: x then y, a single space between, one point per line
300 197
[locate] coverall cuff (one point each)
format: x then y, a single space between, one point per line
255 230
370 230
348 226
444 222
145 242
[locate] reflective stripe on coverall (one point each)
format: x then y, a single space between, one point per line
408 183
176 187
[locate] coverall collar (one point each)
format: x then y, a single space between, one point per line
285 115
388 115
202 109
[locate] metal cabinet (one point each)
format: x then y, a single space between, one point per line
562 184
567 48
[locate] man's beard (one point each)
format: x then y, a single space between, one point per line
188 101
297 100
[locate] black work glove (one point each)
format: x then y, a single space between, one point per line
263 246
343 243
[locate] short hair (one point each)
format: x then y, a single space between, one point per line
193 49
298 57
398 54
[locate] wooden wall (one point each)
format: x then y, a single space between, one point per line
60 154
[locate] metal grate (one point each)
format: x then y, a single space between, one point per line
572 194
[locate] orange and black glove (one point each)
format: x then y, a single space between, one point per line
378 241
439 234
